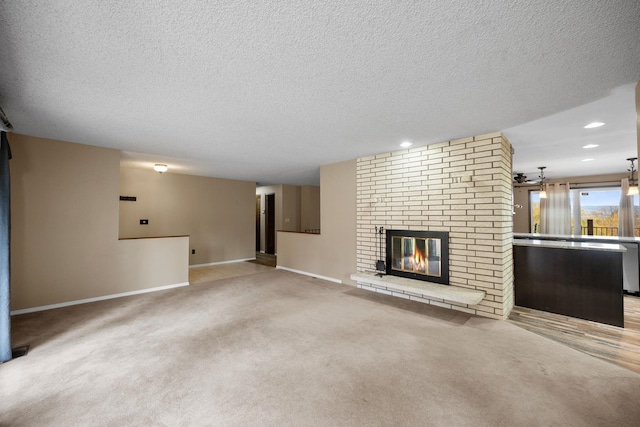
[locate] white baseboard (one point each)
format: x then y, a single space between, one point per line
102 298
222 262
306 273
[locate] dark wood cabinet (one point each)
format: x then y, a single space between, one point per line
586 284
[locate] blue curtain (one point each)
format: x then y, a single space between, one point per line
5 233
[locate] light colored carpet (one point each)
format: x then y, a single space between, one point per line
277 348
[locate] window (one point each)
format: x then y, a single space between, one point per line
534 203
598 211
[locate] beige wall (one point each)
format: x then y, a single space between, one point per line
290 208
218 214
521 217
149 263
309 207
64 242
332 253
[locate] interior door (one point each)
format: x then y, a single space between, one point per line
270 223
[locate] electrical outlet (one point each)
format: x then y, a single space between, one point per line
193 251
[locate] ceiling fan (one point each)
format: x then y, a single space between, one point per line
521 178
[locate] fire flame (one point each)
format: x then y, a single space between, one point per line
419 262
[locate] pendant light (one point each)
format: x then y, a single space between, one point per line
543 193
633 185
160 168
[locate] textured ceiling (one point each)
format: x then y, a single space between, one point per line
268 92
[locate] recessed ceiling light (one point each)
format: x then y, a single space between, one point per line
587 160
594 125
406 144
590 146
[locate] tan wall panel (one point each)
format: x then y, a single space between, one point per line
64 242
521 217
333 252
309 207
290 208
64 221
218 214
148 263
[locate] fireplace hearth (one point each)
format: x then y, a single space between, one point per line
421 255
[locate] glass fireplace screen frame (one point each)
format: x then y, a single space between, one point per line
421 255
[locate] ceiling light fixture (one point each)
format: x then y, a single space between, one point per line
160 168
406 144
594 125
587 160
633 185
543 193
590 146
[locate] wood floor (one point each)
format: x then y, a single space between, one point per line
616 345
208 273
265 259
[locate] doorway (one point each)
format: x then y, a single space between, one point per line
270 223
258 211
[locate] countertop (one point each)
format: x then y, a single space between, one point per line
577 237
587 246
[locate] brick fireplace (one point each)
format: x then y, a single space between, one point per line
461 187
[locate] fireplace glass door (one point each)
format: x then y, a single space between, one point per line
415 255
418 255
